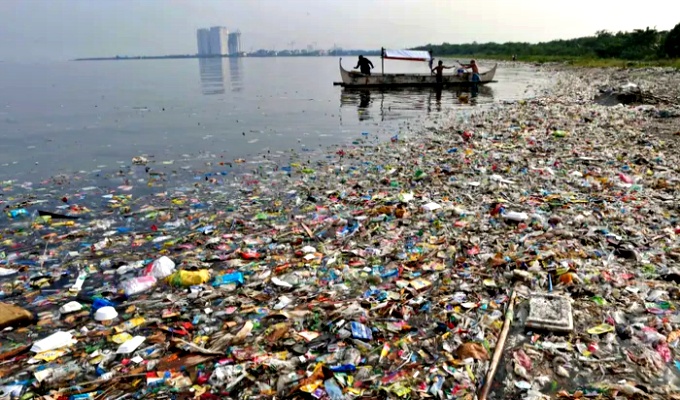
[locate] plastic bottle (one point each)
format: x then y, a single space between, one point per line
79 282
137 285
19 212
82 396
62 373
390 274
515 216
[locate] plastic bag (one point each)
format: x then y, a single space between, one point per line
137 285
189 278
161 268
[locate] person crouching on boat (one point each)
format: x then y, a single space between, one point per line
475 70
365 64
439 71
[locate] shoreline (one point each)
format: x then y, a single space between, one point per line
195 56
578 62
417 241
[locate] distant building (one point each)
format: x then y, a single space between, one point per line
203 41
212 41
235 43
218 41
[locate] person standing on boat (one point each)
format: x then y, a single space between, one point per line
365 64
439 71
431 60
475 70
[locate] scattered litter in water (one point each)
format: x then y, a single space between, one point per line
379 268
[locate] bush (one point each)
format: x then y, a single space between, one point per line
672 43
639 44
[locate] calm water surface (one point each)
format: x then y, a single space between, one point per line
70 116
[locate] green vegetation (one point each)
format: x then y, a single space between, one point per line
590 62
672 43
638 48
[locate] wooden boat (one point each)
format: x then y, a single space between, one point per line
357 79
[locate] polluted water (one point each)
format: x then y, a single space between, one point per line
523 250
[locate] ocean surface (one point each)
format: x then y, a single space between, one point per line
65 117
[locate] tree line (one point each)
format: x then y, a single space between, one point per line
640 44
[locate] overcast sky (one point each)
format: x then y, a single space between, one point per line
64 29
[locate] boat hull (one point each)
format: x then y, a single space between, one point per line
357 79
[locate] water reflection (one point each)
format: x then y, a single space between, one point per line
235 68
213 73
398 103
364 105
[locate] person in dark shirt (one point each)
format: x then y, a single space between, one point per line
439 71
431 60
365 65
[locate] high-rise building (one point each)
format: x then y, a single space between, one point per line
203 41
235 43
218 40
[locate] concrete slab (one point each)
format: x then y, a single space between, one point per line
550 312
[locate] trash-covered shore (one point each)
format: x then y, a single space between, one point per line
380 271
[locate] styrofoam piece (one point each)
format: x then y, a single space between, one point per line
54 341
70 307
131 345
550 312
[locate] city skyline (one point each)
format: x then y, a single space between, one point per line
67 29
218 41
214 41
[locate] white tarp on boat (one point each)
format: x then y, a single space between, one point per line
410 55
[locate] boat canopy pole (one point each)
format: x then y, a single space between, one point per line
382 61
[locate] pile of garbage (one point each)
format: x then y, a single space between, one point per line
388 271
625 94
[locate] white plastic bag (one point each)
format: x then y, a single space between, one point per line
161 268
138 285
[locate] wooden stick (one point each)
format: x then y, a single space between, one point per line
500 344
309 232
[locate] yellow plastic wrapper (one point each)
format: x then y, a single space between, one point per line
399 389
310 387
49 355
189 278
121 338
129 324
600 329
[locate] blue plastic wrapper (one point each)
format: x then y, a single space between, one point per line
344 368
99 303
234 277
334 391
20 212
360 331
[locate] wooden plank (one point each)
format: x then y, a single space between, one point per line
500 345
